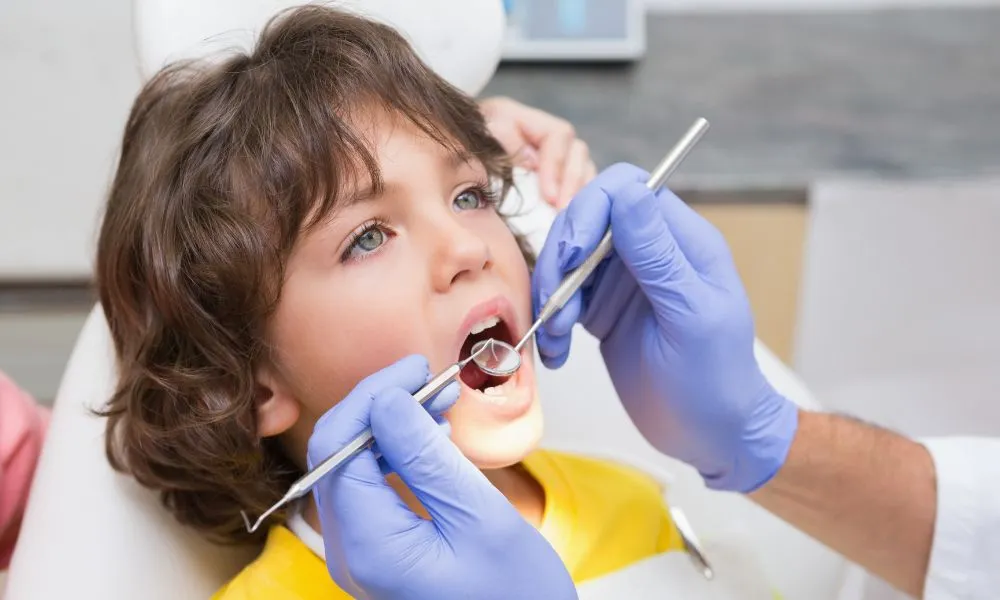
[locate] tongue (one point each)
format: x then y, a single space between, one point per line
473 377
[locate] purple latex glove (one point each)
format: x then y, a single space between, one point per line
675 328
475 546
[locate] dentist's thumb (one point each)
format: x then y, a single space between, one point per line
644 242
455 493
488 540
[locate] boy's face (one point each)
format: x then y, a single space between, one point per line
411 271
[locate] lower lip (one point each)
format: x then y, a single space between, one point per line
513 403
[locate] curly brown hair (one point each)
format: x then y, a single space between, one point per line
223 165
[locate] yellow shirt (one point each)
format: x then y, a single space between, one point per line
599 516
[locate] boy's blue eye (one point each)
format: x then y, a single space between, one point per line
366 241
470 199
370 240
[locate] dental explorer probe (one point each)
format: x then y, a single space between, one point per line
303 484
574 280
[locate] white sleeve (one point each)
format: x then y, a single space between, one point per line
965 555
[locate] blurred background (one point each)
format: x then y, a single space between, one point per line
853 165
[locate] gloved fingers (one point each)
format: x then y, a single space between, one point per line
351 415
383 466
442 402
409 373
450 487
444 425
347 498
561 323
699 240
545 278
587 217
559 328
576 231
548 272
573 236
613 301
553 350
649 250
554 337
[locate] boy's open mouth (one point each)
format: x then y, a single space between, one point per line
492 327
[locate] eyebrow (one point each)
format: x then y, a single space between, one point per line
460 158
456 160
361 196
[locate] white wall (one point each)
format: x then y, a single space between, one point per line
68 74
898 321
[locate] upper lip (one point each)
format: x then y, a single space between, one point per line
498 306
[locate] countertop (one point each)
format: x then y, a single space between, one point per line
897 94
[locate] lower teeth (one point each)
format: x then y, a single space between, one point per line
495 395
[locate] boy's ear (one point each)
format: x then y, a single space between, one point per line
277 409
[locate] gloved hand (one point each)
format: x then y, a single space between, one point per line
475 546
675 328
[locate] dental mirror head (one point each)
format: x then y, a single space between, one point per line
496 358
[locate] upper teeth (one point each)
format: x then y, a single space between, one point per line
484 325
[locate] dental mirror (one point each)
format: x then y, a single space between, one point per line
497 358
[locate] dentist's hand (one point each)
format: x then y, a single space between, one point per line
475 546
675 328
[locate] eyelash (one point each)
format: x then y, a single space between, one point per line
489 196
487 193
367 226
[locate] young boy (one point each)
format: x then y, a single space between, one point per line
282 225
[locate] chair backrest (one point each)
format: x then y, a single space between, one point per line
89 532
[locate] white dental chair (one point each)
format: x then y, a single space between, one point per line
91 533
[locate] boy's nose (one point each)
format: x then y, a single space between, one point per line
459 252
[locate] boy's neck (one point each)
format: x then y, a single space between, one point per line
521 489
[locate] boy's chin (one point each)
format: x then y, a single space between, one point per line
497 446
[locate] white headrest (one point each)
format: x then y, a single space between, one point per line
460 39
90 532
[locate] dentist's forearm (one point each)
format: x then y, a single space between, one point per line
865 492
